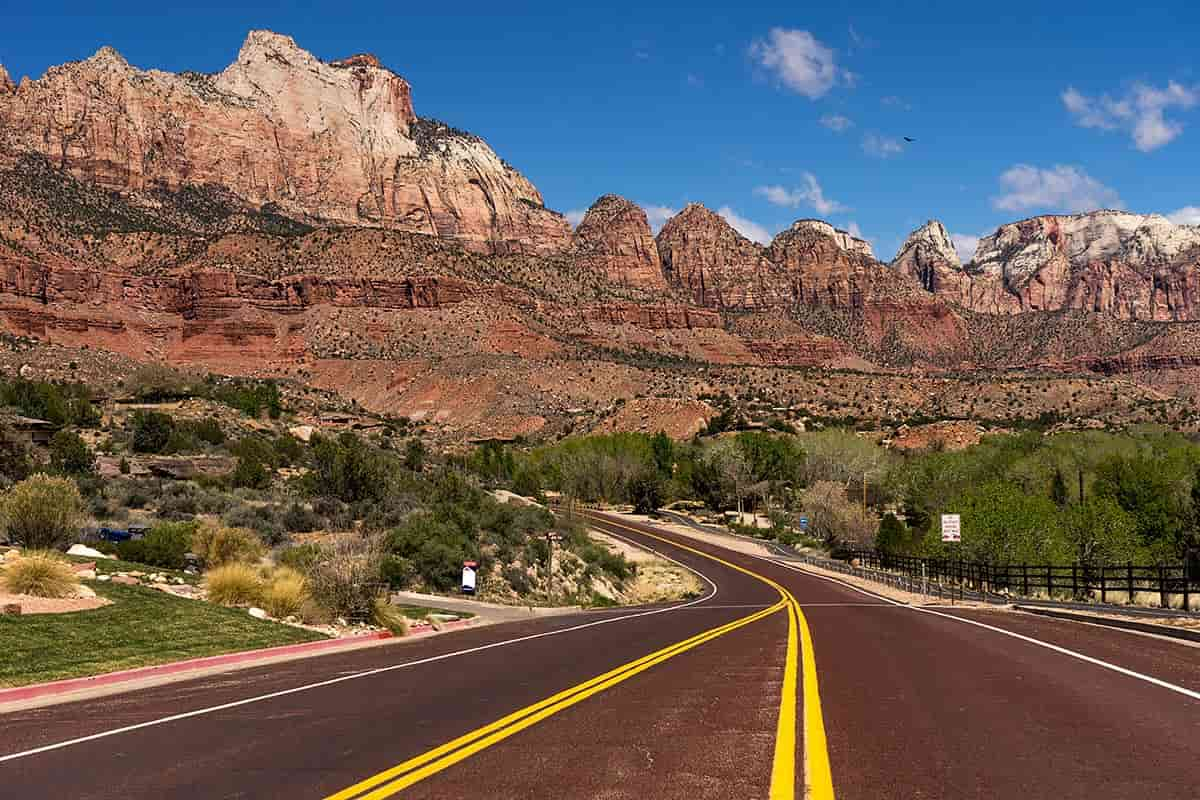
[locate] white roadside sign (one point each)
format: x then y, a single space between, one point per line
951 528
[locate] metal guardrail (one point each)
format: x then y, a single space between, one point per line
902 581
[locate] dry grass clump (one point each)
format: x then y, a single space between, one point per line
217 545
386 615
40 573
234 585
285 593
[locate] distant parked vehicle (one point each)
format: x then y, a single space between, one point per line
114 535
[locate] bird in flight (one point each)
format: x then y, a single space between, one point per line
908 139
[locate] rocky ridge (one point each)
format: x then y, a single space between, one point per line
337 142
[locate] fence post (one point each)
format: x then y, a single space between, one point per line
1049 581
1074 581
1129 567
1162 586
1103 585
1025 578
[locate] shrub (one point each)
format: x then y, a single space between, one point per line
386 615
299 519
151 431
285 593
262 519
301 557
233 585
216 545
42 512
250 473
347 578
165 545
40 573
70 455
178 501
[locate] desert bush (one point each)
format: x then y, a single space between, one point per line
150 431
62 404
386 615
250 474
299 519
178 501
215 545
70 455
41 573
347 580
299 557
284 593
262 519
43 512
233 584
165 545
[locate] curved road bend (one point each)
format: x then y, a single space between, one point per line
700 723
916 704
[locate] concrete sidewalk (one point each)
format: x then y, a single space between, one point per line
491 612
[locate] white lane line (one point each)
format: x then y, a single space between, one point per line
1056 648
354 676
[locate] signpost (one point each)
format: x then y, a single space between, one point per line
804 524
951 528
468 577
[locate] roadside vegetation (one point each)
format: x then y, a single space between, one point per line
1090 498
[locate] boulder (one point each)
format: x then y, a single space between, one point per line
86 552
258 613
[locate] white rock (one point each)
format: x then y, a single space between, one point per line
258 613
102 578
86 552
84 591
86 575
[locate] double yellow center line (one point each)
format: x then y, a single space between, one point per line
818 784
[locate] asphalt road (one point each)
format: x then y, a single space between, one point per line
697 700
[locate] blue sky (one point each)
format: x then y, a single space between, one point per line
770 112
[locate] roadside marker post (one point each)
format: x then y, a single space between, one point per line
952 532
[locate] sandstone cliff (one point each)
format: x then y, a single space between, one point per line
334 141
1129 266
928 257
615 239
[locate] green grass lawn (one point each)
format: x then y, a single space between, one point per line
143 626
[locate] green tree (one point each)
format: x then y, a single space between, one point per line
1058 490
893 535
1099 532
151 431
250 473
1002 524
664 453
1141 486
70 455
414 454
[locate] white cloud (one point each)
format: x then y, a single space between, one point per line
657 216
748 228
1141 111
837 122
892 101
965 245
799 61
881 146
575 216
810 194
1062 188
1189 215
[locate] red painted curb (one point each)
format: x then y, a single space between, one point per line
122 676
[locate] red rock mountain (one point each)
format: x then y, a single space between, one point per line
614 238
334 141
809 264
1129 266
